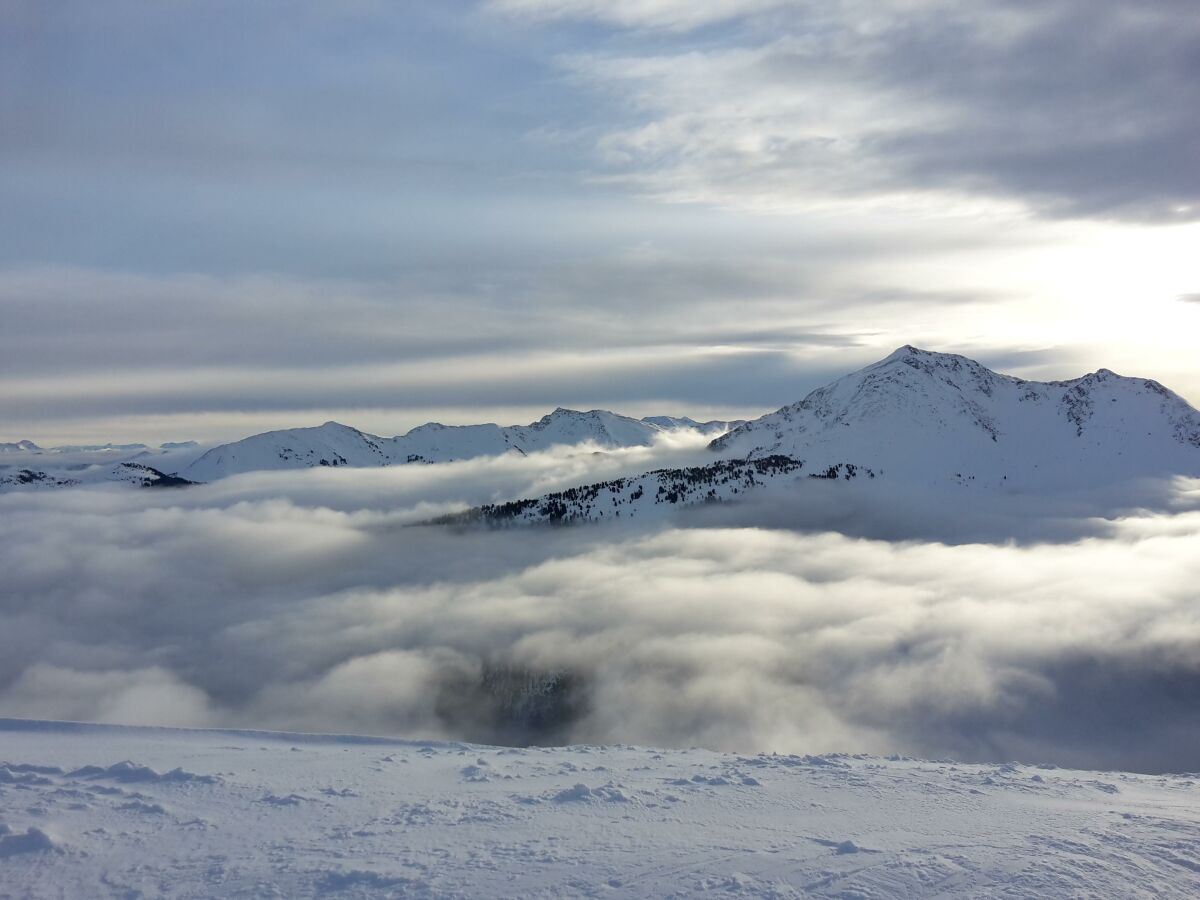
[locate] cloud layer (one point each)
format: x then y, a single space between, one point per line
270 602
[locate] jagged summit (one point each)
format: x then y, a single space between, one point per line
923 415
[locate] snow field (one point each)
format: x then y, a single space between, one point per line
240 814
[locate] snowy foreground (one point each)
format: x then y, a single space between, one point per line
92 811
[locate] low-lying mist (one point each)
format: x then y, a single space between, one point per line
966 628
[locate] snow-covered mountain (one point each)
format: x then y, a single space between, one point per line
653 494
116 473
26 466
107 811
928 417
66 449
715 426
917 418
333 444
81 455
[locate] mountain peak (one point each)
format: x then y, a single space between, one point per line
924 414
909 355
561 412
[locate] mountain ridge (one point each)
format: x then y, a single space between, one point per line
928 415
333 444
916 415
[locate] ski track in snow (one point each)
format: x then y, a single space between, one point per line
109 811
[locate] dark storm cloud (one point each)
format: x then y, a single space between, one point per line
255 602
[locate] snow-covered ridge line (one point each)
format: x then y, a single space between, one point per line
651 494
923 417
939 417
109 448
26 465
117 473
333 444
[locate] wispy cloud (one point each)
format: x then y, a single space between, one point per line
936 106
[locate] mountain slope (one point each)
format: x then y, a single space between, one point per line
921 416
117 473
653 494
333 444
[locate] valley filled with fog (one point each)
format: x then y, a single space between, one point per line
630 449
852 616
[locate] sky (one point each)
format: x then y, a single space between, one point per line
222 217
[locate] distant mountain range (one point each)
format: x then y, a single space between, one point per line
332 444
335 445
915 416
32 448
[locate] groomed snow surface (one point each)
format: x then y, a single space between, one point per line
110 811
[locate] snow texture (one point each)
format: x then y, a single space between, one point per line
296 815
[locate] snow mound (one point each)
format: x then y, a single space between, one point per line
131 773
34 840
397 818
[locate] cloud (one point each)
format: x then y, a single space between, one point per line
939 107
670 14
151 696
642 330
308 601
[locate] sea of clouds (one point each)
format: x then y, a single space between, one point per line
836 617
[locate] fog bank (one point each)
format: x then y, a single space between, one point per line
323 608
